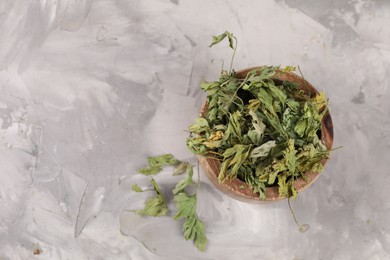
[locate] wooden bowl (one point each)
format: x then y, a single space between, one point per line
232 187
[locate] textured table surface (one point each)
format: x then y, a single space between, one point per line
90 88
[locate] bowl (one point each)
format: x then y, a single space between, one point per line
240 190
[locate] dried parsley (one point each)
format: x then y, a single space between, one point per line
181 168
154 206
157 162
136 188
263 130
193 227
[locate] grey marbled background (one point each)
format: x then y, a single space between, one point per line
89 88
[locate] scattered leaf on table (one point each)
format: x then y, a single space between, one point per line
163 160
157 162
181 168
136 188
193 227
154 206
183 183
150 170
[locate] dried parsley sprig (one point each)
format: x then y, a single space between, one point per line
155 206
156 163
193 227
264 131
230 36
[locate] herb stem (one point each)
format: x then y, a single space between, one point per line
216 153
301 228
304 80
292 212
197 168
234 53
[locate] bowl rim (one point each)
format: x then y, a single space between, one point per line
240 190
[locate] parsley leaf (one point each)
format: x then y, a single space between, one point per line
181 168
136 188
193 227
162 160
263 150
219 38
183 183
155 206
157 162
150 170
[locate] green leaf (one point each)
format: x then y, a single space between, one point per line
283 186
238 154
290 157
235 120
182 184
257 134
188 228
279 165
263 150
266 100
210 87
162 160
136 188
289 69
320 100
238 148
278 94
274 122
150 170
195 144
214 139
193 227
292 104
254 136
294 192
310 158
223 171
186 205
256 185
260 74
155 206
181 168
213 144
272 177
219 38
201 126
319 144
300 127
157 162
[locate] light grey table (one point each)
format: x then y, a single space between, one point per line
89 88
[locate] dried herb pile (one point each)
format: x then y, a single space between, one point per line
263 130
